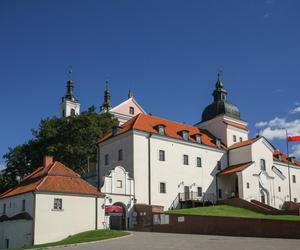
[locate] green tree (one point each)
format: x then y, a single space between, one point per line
70 140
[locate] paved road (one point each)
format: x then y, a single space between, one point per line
161 241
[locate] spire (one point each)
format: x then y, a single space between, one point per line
130 94
70 87
106 106
219 93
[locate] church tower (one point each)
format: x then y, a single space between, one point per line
106 106
69 104
222 118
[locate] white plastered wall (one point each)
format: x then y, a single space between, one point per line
18 232
78 214
172 171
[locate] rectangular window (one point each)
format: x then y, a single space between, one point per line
57 204
131 110
162 187
23 205
262 165
120 155
241 139
185 135
234 138
220 193
4 209
185 160
199 191
106 159
199 162
161 130
248 185
219 165
119 184
294 178
279 189
162 155
295 200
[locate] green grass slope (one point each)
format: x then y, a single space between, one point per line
230 211
95 235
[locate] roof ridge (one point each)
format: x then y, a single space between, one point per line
45 176
179 123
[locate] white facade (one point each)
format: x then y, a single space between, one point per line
78 214
69 108
141 150
269 184
221 128
137 146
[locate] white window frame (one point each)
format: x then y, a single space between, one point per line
119 184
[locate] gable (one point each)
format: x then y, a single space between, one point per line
124 108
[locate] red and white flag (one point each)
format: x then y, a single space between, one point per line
294 138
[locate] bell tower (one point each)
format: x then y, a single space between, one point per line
106 106
70 106
222 118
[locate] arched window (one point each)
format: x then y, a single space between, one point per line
73 112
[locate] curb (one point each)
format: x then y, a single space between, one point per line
84 243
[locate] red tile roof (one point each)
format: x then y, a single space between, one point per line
147 123
244 143
284 158
235 168
56 178
237 125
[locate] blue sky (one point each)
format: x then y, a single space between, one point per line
167 52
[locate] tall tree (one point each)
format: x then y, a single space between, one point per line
70 140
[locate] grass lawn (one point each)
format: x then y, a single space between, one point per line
230 211
88 236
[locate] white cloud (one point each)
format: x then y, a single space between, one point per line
276 128
295 110
296 151
261 124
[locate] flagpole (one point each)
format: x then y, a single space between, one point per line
288 160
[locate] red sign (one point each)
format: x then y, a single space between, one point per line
114 209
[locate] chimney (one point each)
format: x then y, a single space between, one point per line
47 160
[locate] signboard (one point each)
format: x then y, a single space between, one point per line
114 210
180 219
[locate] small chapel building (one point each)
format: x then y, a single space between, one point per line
48 205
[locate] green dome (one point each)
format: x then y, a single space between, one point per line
220 106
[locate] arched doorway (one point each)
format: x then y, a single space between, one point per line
117 217
264 196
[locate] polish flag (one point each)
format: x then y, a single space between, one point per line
294 138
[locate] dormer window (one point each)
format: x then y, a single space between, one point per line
184 134
198 138
280 157
218 143
160 128
131 110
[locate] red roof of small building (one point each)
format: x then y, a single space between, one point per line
236 168
147 123
244 143
56 178
284 158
